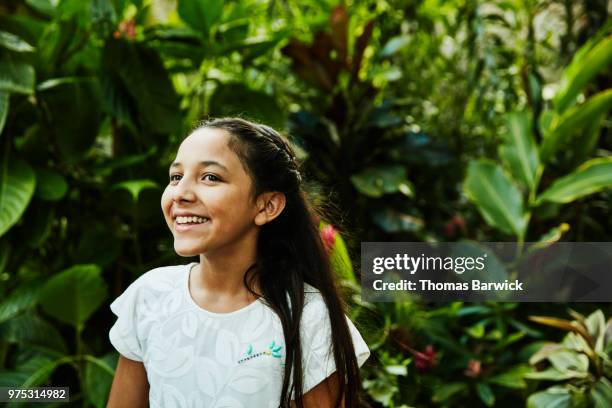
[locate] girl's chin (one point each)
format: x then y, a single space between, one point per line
187 249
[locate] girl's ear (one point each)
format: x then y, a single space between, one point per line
269 206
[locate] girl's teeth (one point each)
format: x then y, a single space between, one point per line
192 220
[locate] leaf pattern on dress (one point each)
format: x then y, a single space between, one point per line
248 380
227 347
171 302
257 322
189 324
228 402
172 398
207 375
169 359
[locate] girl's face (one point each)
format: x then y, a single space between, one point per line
207 180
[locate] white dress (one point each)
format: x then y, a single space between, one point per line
196 358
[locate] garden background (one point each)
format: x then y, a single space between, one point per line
423 120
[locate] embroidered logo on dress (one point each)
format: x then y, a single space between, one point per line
273 350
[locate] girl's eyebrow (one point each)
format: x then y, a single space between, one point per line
204 163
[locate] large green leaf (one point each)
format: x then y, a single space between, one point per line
4 108
74 294
567 360
99 373
135 187
447 391
497 199
135 67
51 186
519 151
201 15
17 184
239 99
485 393
578 119
15 75
74 111
512 378
376 181
14 43
601 393
19 300
591 177
554 397
586 64
28 328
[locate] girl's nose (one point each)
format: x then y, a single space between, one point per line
183 192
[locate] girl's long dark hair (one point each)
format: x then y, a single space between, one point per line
290 252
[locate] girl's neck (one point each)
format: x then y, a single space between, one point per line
220 276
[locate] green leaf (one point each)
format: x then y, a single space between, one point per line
44 6
14 43
554 397
17 184
338 257
4 108
552 374
497 199
396 369
519 151
394 45
596 326
584 143
201 15
569 361
579 119
131 68
20 299
447 391
99 245
591 177
377 181
74 294
73 100
39 376
99 373
15 75
135 187
601 393
586 63
391 220
38 221
51 185
512 378
477 330
238 99
30 329
485 394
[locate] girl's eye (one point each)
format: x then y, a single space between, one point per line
212 177
172 177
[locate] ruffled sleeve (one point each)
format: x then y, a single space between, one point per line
317 346
124 334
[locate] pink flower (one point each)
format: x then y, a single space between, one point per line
328 234
426 360
454 226
473 368
126 28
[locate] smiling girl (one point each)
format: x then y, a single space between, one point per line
258 321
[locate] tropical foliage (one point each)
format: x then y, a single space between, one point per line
419 120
